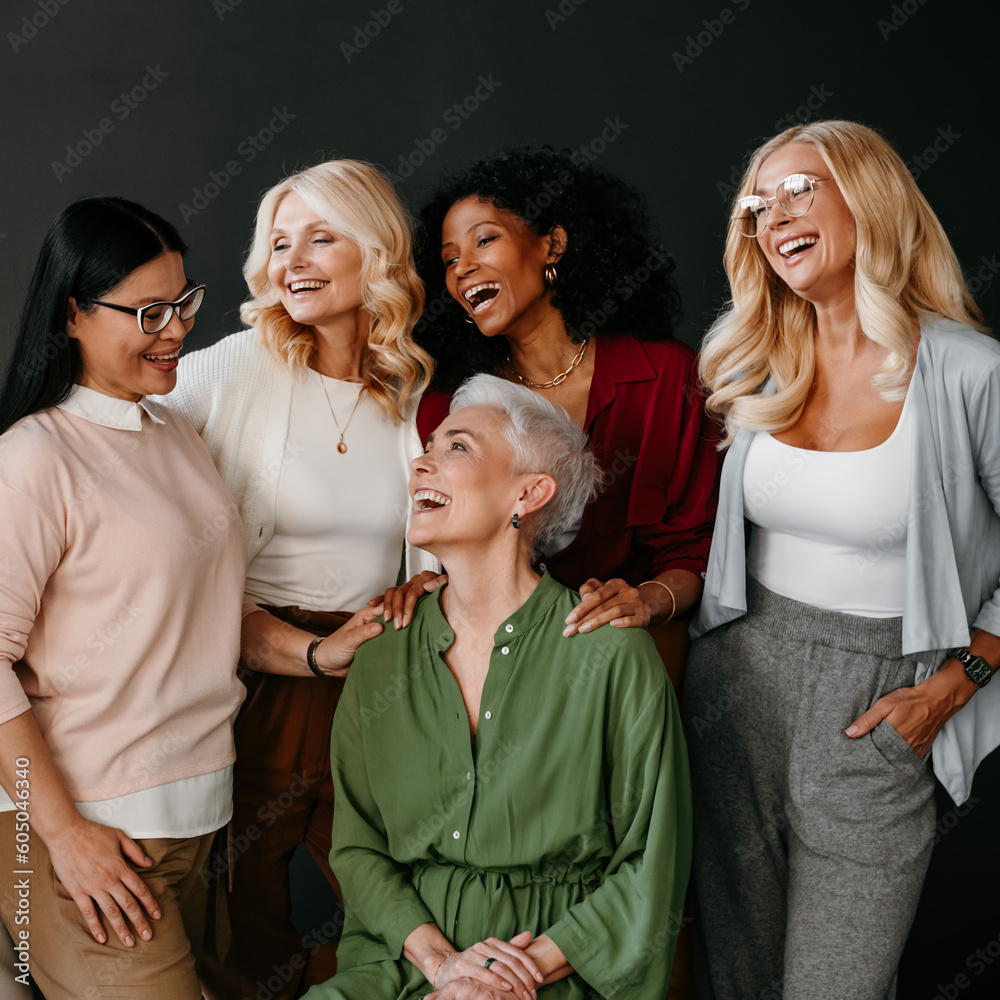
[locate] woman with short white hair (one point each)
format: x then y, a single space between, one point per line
512 804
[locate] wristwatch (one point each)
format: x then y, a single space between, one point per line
976 668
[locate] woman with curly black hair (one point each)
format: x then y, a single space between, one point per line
552 262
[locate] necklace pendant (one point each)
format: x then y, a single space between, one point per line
341 447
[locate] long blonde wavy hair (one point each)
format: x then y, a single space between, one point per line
904 267
355 199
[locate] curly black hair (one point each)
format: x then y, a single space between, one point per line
612 277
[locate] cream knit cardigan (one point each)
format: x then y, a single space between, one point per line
239 399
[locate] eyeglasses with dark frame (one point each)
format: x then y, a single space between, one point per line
794 194
154 316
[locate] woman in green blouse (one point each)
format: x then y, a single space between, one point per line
513 807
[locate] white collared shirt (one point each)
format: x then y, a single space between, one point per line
108 411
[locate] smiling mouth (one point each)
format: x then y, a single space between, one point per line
794 247
429 500
478 295
306 286
162 359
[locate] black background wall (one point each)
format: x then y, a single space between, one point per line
196 106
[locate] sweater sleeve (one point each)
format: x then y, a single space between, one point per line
33 547
620 939
378 891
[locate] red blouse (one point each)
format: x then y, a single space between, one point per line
648 428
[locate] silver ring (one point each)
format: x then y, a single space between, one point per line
488 962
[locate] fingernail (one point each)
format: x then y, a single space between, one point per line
395 622
569 630
156 914
406 620
147 934
852 730
571 617
586 626
129 940
618 622
101 939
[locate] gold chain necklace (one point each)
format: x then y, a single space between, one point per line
559 379
341 447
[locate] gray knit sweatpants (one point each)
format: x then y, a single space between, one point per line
810 848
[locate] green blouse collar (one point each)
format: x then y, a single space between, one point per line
519 623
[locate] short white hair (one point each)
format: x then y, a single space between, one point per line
544 439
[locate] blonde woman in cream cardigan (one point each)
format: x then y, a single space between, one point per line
310 417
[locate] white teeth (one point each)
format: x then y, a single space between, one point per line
428 499
469 292
792 245
162 357
301 286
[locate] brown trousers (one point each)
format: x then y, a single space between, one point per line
282 797
65 960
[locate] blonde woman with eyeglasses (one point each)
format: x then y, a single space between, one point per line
311 417
842 642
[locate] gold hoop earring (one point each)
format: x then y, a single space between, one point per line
550 274
468 319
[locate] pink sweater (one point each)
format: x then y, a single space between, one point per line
122 563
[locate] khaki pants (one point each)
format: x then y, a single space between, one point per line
65 960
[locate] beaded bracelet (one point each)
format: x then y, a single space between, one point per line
673 599
438 969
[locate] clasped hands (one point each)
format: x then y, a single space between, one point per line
463 975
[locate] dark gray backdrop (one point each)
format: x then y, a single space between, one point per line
196 106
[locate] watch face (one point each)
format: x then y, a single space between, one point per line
978 670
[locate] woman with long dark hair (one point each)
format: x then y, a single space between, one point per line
118 635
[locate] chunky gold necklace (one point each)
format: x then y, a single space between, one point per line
560 378
341 447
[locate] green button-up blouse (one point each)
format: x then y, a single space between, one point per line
568 814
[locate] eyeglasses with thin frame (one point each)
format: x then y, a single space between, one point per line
794 194
154 316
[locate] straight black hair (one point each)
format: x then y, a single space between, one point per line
91 248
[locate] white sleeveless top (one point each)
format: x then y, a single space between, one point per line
828 528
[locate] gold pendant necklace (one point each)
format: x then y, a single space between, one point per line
341 447
560 378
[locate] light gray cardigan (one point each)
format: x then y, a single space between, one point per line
953 531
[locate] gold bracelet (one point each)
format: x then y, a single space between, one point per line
673 599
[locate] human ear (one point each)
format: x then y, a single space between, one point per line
558 241
73 313
539 490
